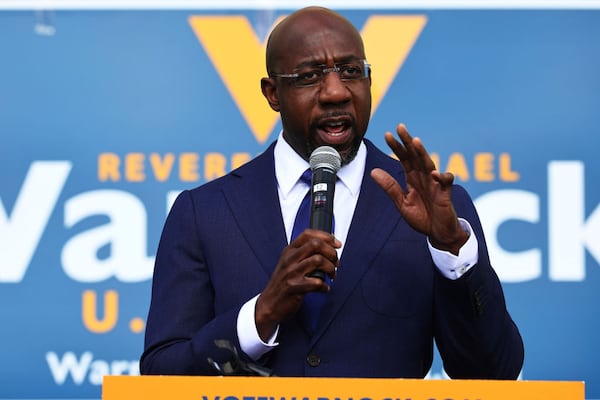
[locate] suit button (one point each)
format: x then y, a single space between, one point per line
313 360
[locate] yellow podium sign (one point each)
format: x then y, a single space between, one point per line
275 388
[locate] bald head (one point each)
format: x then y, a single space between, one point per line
299 30
334 111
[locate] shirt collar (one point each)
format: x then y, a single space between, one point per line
289 166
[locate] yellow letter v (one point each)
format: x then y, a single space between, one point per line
238 56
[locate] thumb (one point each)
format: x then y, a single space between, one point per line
389 185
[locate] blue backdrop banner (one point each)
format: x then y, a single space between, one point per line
106 114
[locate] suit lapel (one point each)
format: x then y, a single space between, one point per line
253 199
374 219
254 202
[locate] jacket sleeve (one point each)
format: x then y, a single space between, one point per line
474 332
181 325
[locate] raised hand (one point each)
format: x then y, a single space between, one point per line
426 204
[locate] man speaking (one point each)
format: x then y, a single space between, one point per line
405 265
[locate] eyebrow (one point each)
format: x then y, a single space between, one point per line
337 61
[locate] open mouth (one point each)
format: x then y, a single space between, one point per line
335 130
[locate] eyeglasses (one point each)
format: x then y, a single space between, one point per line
314 75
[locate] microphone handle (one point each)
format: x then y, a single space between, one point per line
321 210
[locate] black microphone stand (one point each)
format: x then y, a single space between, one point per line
236 366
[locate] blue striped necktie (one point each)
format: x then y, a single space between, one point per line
302 220
313 301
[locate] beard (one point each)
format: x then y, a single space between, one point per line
347 152
346 155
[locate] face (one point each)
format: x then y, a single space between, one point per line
334 112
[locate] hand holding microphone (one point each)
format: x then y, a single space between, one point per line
285 292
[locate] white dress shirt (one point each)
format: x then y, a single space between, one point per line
289 167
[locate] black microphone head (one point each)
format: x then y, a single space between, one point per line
325 157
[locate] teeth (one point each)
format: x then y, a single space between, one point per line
335 134
334 128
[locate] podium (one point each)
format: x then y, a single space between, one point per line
275 388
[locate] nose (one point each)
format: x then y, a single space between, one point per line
333 90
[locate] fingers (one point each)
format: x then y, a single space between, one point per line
311 234
411 152
313 250
290 281
445 179
395 145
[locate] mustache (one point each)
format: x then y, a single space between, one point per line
335 114
347 155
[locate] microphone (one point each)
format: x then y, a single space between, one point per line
324 162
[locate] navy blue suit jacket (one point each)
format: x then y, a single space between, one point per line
222 240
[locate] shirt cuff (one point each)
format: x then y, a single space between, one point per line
454 266
250 341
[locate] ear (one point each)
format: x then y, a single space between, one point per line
269 90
